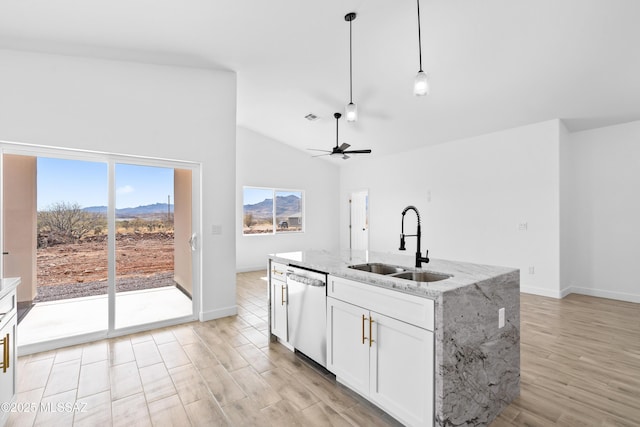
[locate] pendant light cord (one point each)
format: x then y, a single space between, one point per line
419 36
350 66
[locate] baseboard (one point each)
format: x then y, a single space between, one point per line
566 291
551 293
601 293
217 314
263 267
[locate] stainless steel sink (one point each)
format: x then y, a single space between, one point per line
379 268
421 276
400 272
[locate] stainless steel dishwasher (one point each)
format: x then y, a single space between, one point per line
307 312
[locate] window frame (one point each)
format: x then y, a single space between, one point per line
275 190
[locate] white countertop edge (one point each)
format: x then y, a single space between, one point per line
9 284
337 263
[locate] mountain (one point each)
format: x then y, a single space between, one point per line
156 208
285 206
264 209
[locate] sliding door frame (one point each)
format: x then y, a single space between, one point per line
111 159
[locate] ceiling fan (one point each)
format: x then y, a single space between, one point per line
341 149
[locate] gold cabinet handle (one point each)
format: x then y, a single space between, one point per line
371 340
282 301
363 337
5 353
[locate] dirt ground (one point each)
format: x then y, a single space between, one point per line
139 255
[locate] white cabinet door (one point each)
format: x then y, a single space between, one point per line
279 309
348 344
401 370
8 359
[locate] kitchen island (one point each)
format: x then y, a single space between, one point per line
475 327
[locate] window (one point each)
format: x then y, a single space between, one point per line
261 215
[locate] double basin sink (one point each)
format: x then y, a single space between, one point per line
400 272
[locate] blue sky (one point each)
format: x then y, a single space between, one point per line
85 183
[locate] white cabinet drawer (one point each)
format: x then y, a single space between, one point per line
398 305
278 271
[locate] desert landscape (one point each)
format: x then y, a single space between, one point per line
69 270
72 252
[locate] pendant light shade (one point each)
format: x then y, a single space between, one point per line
420 84
351 110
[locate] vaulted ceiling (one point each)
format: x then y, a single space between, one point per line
493 64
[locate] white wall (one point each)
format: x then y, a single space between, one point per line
138 109
566 212
604 230
264 162
472 194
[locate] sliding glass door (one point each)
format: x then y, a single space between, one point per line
55 237
147 287
104 244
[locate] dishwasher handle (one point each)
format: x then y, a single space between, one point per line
305 280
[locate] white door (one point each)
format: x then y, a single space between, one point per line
359 212
402 370
347 344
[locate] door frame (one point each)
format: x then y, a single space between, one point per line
111 159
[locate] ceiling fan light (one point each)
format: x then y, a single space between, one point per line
351 112
421 84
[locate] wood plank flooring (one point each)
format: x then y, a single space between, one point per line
218 373
580 363
580 367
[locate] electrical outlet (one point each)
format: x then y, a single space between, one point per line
532 270
501 318
523 226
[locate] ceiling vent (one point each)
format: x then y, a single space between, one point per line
311 117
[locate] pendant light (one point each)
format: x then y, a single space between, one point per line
420 84
351 110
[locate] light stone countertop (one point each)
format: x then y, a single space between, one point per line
8 284
336 263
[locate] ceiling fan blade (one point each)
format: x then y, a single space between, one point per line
344 146
357 152
345 157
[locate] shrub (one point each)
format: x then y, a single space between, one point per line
68 221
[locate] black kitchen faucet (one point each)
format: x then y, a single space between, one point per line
419 258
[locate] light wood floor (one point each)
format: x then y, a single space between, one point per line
218 373
580 363
580 367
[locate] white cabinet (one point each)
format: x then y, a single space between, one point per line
7 350
401 370
278 300
385 359
347 344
